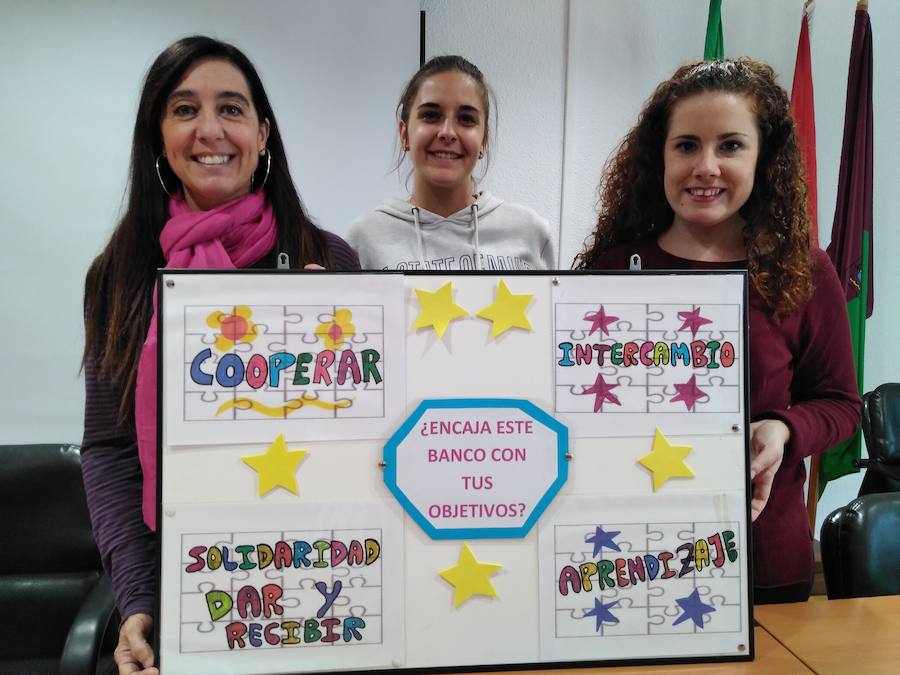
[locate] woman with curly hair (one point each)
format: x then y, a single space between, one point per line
711 178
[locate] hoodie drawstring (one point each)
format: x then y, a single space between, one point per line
477 247
421 243
415 212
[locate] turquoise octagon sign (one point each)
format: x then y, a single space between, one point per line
477 468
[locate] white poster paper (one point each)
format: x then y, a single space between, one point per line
619 580
316 358
283 588
624 366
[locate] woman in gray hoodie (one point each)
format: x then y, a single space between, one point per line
446 225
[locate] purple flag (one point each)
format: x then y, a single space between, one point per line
853 211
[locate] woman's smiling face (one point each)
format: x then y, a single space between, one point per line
446 130
710 158
212 135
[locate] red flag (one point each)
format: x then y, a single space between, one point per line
804 112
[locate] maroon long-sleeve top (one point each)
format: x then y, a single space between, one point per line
802 373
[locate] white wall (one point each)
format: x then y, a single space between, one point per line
569 78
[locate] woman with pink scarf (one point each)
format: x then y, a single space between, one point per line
209 188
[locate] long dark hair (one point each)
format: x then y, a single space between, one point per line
117 294
633 203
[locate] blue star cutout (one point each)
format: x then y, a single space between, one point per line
602 613
600 538
693 609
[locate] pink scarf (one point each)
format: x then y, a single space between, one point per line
230 236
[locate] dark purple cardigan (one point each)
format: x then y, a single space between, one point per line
112 478
802 373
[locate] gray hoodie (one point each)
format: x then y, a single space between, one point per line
489 235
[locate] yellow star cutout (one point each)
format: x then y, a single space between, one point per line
666 460
507 310
438 309
277 466
470 577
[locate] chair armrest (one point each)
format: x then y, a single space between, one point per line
85 637
886 466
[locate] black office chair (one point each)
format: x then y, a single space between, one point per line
56 605
881 428
861 549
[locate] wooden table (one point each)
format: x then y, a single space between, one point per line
771 658
859 635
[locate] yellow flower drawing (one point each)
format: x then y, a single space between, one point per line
233 328
334 333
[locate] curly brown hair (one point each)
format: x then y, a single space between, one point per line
633 203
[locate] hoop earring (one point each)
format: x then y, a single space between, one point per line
159 174
268 154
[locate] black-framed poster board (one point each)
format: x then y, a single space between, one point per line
412 471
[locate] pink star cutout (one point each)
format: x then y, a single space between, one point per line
602 392
689 392
599 319
692 320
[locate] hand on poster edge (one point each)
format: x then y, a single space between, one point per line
767 441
